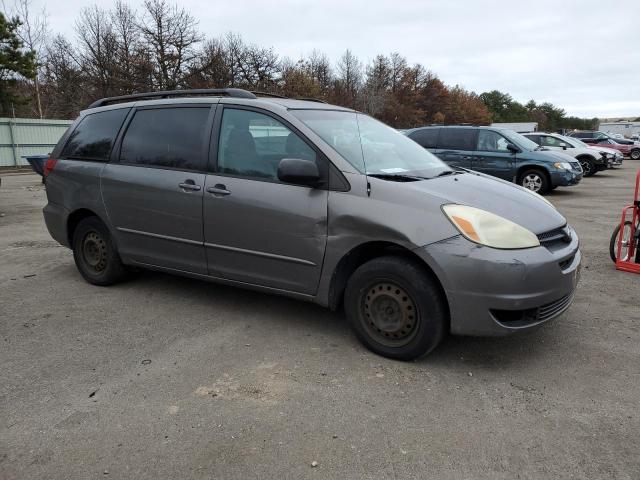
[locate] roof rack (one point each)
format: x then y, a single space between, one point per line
230 92
267 94
311 100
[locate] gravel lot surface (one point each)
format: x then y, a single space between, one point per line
163 377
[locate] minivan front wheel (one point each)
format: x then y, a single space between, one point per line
395 308
95 253
534 180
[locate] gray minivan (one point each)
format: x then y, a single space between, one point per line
501 153
309 200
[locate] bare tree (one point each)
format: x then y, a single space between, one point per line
98 49
349 78
171 35
33 32
64 82
134 67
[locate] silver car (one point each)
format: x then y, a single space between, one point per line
309 200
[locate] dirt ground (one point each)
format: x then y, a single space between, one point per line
162 377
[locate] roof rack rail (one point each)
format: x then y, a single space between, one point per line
311 100
231 92
267 94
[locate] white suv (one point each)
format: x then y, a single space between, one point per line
592 160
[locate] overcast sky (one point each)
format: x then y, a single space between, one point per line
581 55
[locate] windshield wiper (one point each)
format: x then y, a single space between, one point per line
397 177
448 172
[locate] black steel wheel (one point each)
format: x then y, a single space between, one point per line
396 307
95 254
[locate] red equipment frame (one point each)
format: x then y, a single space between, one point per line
630 265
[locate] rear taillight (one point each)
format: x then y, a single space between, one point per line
49 165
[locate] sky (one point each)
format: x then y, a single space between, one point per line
581 55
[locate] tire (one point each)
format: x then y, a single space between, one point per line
534 180
95 254
613 243
635 154
396 308
588 167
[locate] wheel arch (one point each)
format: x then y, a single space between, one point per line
361 254
533 166
75 218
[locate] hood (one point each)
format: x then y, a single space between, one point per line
605 149
497 196
555 155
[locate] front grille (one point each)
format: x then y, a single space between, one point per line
516 318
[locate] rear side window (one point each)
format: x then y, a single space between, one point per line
426 137
93 137
457 139
167 138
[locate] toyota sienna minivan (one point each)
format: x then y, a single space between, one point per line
309 200
502 153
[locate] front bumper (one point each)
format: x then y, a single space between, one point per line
495 292
616 161
565 178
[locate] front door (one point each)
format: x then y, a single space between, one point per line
257 229
153 194
493 157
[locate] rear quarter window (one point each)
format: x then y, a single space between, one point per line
93 138
426 137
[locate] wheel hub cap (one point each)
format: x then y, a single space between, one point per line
389 313
94 251
532 182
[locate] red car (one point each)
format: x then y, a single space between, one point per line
632 151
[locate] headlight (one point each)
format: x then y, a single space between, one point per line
609 155
562 165
488 229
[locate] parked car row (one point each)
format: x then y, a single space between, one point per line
630 148
592 158
502 153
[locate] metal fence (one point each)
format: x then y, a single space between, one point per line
28 136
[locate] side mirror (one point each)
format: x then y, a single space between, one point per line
298 171
563 145
512 148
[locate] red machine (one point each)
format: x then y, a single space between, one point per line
625 241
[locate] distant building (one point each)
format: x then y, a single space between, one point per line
521 127
623 127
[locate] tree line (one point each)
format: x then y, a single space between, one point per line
160 47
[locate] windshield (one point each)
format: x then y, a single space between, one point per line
520 140
574 141
371 146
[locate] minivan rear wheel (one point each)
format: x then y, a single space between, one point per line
395 308
534 180
95 254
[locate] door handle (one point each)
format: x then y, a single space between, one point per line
219 190
467 157
190 185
